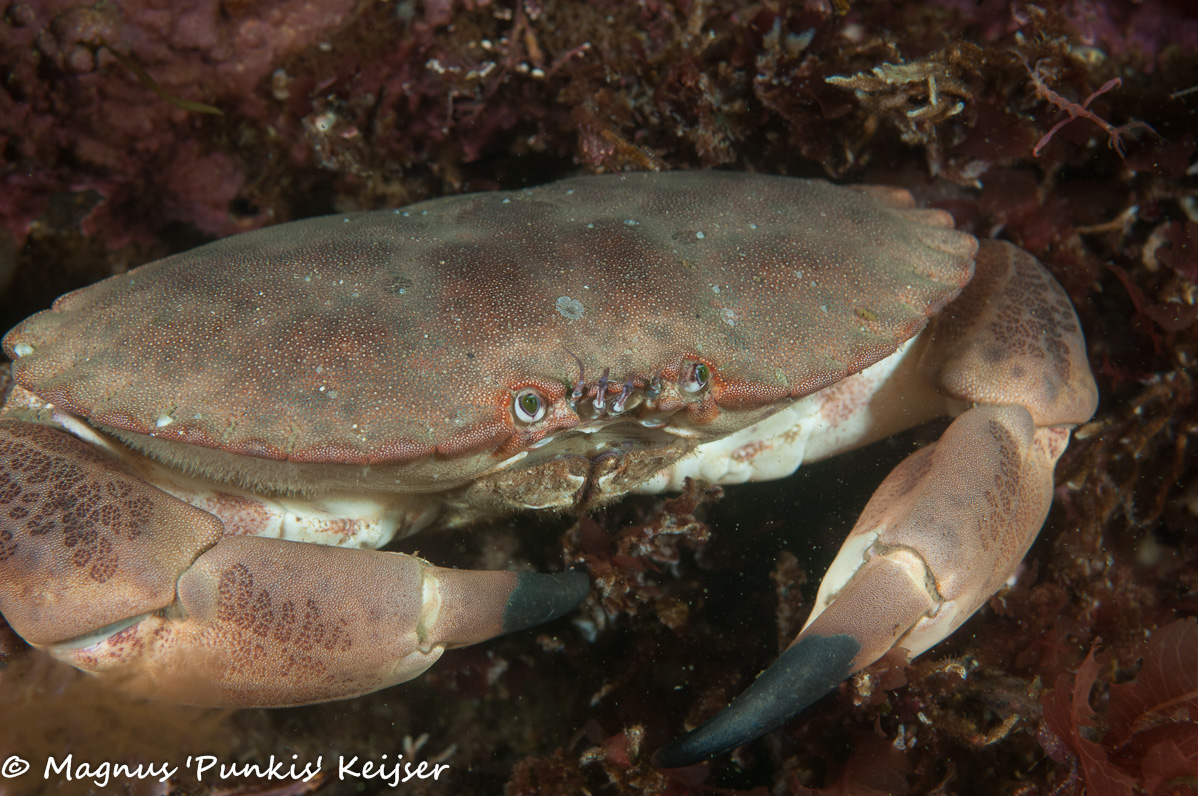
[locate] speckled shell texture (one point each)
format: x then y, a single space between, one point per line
397 334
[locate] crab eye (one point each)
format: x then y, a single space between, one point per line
529 406
697 378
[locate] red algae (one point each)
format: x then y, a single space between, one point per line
1150 722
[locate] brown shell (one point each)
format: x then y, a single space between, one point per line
390 335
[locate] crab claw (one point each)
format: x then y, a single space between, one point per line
120 578
941 534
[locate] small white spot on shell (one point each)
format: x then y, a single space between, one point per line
728 316
715 288
700 235
22 349
632 222
752 226
164 420
570 308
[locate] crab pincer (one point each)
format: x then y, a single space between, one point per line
951 523
116 576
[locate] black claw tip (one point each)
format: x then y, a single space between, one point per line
538 598
801 675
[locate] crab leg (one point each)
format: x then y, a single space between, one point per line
950 524
119 578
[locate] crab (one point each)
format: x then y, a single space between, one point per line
202 456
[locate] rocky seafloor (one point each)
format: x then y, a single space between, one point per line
130 130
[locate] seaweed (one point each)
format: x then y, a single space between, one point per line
1150 741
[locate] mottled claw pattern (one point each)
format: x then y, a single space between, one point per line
951 523
177 431
114 575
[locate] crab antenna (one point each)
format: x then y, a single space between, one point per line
617 405
600 396
580 385
654 386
